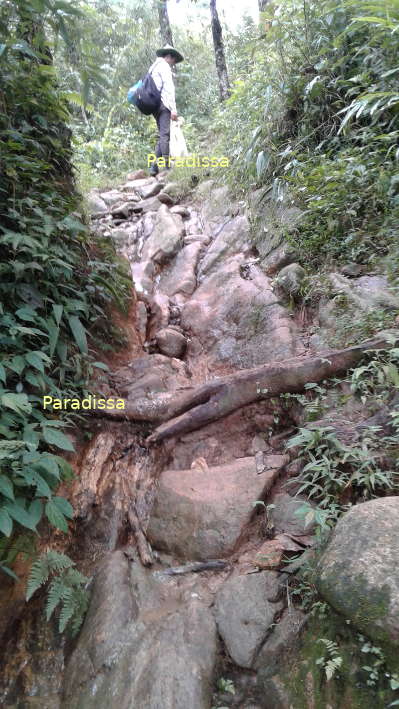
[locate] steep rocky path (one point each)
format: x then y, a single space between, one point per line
204 310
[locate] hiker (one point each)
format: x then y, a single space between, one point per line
161 72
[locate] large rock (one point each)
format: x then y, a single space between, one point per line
200 513
284 639
150 190
171 342
180 276
151 204
149 384
366 293
96 204
238 321
216 204
232 238
359 571
291 278
285 515
272 219
143 644
245 609
166 237
111 197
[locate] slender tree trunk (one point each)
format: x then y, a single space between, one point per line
220 59
164 24
262 4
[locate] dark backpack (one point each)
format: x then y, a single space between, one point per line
145 95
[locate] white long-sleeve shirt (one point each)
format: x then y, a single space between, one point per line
161 72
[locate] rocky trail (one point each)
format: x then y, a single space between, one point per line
189 583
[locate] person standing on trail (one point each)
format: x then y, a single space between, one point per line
161 72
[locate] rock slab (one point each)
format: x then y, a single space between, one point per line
200 513
143 644
245 609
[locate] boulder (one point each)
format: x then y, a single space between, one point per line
171 342
238 321
291 278
232 238
160 313
366 294
174 190
200 513
149 375
143 644
96 204
166 199
180 275
285 518
182 210
245 610
216 204
112 197
132 185
272 220
143 274
282 642
150 190
124 210
166 237
278 258
152 204
359 571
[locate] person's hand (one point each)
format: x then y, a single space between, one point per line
173 115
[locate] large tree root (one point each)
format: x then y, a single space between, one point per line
221 397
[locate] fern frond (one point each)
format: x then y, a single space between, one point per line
51 561
55 594
332 666
68 608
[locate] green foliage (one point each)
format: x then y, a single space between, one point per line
317 117
66 588
55 284
336 474
331 660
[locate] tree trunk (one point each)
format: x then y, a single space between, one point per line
262 4
217 399
220 59
164 24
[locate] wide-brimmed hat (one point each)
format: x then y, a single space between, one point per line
168 49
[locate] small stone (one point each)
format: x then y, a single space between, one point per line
258 444
171 342
180 209
165 199
150 190
291 278
137 175
97 206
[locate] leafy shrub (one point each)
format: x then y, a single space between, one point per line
55 284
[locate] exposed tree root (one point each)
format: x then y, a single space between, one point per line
221 397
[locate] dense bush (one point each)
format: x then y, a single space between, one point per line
319 115
55 285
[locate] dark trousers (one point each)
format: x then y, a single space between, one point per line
162 118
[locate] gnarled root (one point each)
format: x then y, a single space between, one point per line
221 397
